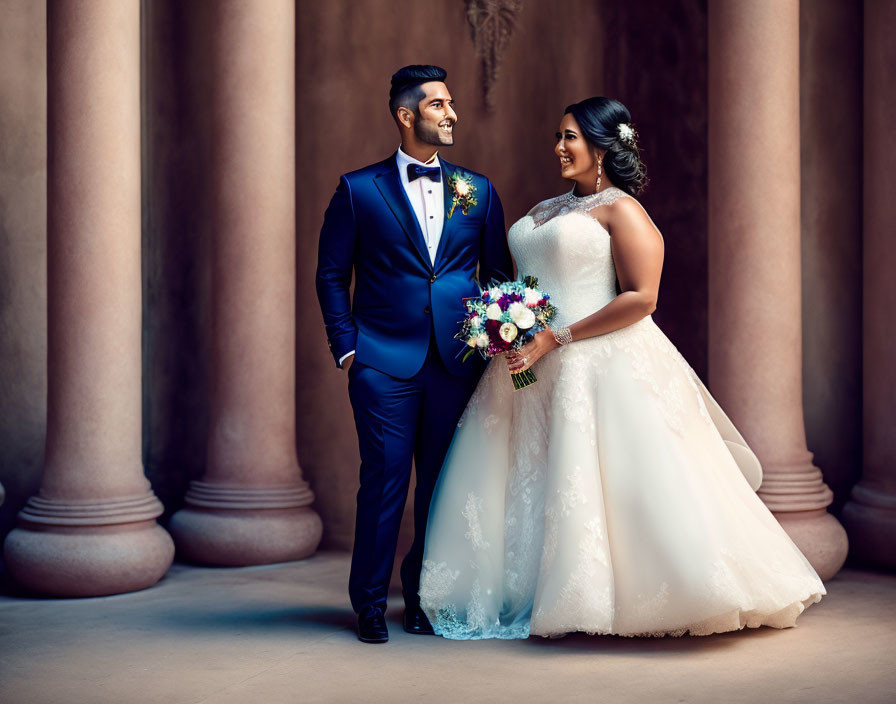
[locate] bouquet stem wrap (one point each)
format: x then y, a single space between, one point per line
523 379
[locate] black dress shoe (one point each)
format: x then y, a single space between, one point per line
415 621
372 625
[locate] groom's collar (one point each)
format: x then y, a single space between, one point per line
403 159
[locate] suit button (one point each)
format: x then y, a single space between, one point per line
433 279
427 310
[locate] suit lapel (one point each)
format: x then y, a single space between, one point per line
389 185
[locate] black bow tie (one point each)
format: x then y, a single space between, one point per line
415 171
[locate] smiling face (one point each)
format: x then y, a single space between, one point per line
578 159
435 119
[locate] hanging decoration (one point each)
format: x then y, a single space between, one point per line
491 26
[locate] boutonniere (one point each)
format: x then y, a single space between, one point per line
463 193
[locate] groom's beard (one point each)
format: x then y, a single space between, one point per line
428 133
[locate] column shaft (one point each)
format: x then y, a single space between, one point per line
870 515
252 506
91 529
755 353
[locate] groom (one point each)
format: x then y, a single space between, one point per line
413 229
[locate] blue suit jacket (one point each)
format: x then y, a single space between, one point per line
399 296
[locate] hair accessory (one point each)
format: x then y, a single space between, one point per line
626 133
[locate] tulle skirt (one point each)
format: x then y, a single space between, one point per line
613 496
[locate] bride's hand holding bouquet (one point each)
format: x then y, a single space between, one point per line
519 360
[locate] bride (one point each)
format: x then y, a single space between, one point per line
614 495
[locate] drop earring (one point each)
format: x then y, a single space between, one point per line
600 162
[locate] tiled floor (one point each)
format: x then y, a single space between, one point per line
284 633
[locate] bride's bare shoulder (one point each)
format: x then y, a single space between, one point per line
628 213
619 209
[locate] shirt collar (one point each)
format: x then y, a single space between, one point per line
403 160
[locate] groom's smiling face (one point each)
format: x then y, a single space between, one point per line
435 118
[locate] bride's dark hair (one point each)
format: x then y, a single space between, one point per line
599 119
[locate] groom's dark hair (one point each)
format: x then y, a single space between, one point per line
406 91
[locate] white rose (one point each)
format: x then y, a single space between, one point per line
531 297
475 321
482 340
493 312
522 316
462 188
508 332
495 293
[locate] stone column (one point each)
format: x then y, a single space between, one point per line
870 515
252 506
755 344
91 529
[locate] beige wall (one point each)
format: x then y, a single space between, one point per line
177 236
561 52
661 78
831 142
23 250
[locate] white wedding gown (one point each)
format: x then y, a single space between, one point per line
612 496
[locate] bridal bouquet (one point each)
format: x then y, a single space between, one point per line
505 316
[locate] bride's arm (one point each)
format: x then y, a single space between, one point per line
638 255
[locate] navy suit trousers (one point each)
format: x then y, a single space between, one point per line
399 421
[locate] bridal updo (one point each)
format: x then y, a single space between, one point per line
606 124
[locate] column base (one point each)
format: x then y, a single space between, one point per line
241 537
870 520
819 536
82 561
233 526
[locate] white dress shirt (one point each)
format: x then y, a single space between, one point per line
427 199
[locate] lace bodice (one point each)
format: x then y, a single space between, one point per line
561 243
570 203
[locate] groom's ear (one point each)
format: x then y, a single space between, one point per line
405 117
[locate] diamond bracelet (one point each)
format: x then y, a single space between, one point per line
563 336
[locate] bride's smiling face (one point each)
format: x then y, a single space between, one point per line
577 158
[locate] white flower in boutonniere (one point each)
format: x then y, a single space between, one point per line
463 193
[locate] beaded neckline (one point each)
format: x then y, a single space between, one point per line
608 194
570 203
